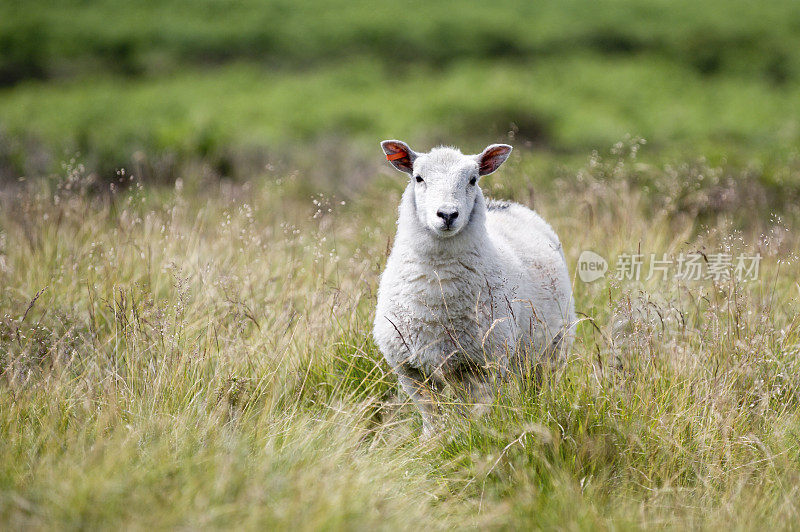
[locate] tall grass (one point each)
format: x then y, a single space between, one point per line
201 356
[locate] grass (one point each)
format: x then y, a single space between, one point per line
162 86
44 40
200 356
187 344
243 113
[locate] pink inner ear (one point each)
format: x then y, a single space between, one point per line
492 159
394 149
398 155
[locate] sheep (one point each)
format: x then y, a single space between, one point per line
473 289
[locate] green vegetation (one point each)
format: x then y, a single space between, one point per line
40 38
202 357
198 114
186 343
209 81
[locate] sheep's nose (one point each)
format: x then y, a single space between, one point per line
448 215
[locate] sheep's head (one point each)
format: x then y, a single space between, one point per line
445 182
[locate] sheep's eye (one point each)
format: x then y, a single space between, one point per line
419 179
473 181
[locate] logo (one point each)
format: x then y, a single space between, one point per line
591 266
695 266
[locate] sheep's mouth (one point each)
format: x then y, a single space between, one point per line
446 232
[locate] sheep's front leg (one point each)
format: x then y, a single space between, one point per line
476 390
422 394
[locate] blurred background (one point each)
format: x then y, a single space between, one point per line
231 88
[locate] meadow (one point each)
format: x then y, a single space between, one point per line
194 214
157 86
204 359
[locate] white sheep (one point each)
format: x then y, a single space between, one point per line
472 289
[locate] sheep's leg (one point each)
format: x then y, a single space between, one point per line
551 355
475 390
422 394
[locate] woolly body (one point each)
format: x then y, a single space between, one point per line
494 294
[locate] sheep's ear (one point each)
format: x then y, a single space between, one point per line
399 154
492 157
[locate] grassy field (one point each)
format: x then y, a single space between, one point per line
194 214
671 106
203 359
43 39
165 85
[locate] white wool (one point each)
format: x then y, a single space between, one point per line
490 295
